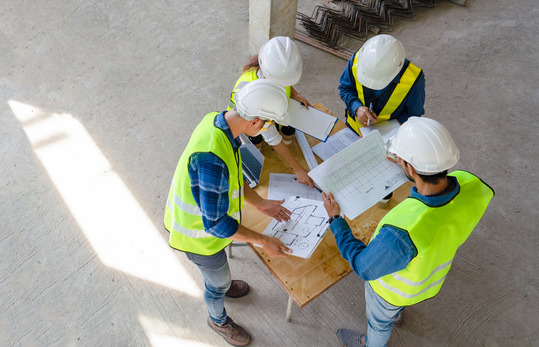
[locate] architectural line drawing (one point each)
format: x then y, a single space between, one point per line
305 229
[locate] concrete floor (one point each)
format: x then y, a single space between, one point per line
97 102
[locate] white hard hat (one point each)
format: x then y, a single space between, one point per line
426 145
379 61
280 61
264 99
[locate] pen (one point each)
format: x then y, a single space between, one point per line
368 119
320 190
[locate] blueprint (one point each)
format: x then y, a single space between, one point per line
282 186
359 175
305 229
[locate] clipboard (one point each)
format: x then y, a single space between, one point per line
311 121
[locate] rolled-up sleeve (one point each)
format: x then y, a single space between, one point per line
209 185
272 136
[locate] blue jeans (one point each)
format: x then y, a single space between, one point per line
380 315
216 273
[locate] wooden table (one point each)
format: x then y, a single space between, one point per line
306 279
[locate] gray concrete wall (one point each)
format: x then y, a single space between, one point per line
97 102
270 18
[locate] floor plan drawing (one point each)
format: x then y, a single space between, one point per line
305 229
360 175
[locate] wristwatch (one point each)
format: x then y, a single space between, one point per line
331 219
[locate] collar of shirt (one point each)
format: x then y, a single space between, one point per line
221 123
437 200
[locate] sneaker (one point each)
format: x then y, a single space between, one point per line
386 198
231 332
349 338
237 289
398 320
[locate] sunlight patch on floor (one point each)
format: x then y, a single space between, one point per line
162 334
114 223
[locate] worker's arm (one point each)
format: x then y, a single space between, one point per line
390 251
274 139
209 185
273 246
301 173
298 97
347 88
272 208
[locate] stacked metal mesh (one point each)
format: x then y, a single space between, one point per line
356 18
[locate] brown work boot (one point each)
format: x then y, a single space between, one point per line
231 332
237 289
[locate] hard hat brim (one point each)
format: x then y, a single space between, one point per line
370 83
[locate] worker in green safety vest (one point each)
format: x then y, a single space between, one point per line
413 247
278 60
204 206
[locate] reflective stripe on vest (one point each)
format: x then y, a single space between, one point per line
190 232
415 284
246 77
436 232
183 218
194 209
399 93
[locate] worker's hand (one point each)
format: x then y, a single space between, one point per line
299 98
275 248
274 208
363 116
303 177
331 206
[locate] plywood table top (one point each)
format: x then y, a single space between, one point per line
306 279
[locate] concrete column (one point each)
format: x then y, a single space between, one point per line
270 18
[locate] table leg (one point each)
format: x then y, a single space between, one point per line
289 308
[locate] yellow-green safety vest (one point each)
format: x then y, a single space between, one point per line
437 232
246 77
183 218
406 82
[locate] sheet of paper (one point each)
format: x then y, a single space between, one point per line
306 150
335 143
282 186
387 129
311 121
305 229
360 175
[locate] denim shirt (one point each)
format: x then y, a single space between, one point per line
390 251
209 185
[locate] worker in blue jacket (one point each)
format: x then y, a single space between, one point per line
379 84
413 246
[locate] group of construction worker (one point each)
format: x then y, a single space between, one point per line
413 246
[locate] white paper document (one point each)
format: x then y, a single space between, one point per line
282 186
306 150
346 137
311 121
305 229
387 129
360 175
335 143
